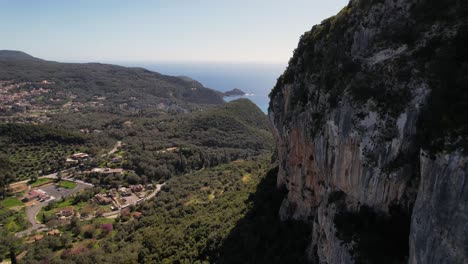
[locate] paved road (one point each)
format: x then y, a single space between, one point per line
31 213
57 193
114 149
158 189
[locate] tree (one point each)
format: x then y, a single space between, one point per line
59 176
11 244
33 177
6 174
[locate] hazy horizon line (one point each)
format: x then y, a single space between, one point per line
154 61
177 62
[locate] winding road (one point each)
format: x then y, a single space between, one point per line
33 210
31 213
114 149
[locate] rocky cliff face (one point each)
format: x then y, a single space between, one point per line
371 135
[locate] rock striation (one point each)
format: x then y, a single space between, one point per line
371 137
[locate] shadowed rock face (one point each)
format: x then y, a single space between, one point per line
440 218
357 120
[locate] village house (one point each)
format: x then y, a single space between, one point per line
125 191
97 170
168 150
107 171
54 232
137 188
71 161
111 193
137 215
65 213
102 199
80 156
35 195
38 237
84 131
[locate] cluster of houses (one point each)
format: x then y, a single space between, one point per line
65 213
136 189
20 102
168 150
80 157
38 195
88 131
77 158
53 232
111 197
124 191
9 92
106 171
104 198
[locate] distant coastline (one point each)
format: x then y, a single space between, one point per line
255 80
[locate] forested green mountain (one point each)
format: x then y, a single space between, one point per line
117 83
13 55
218 202
225 214
235 130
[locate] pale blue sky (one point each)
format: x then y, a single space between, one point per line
173 30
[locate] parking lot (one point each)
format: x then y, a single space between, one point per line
59 192
33 207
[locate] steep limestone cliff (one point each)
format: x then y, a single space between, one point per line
372 136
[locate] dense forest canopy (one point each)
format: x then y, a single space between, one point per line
96 79
213 159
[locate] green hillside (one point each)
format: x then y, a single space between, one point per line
225 214
95 79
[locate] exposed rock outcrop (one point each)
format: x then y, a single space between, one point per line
370 137
439 225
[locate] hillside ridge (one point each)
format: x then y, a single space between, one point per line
98 79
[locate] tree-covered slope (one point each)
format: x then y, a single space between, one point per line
235 130
225 214
95 79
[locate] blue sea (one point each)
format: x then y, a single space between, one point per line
256 80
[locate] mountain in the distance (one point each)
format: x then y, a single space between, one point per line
234 92
95 79
15 55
